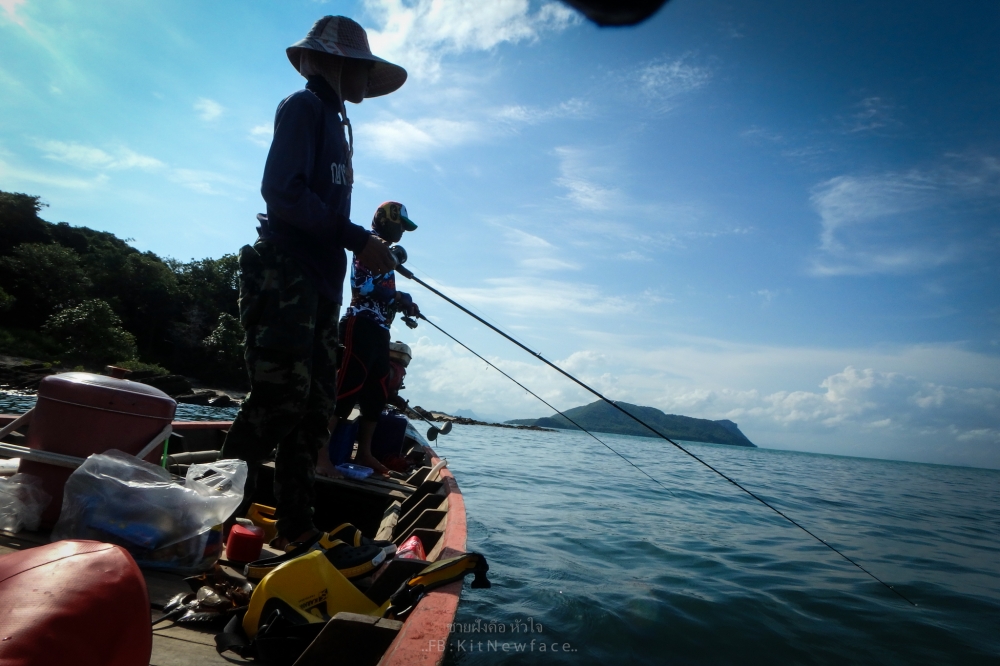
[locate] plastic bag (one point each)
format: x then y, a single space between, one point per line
22 501
164 521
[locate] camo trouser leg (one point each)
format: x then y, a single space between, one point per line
291 351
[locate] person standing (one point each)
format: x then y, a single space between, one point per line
364 374
292 277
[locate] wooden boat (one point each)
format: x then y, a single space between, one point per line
428 504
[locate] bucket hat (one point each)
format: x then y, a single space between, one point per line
341 36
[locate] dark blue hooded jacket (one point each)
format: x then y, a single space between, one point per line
306 189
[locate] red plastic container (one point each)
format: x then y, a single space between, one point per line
73 602
412 549
245 543
78 413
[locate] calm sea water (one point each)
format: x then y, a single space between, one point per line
614 569
599 565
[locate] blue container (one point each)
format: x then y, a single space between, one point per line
352 471
342 441
389 435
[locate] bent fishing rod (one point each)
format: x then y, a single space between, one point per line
405 272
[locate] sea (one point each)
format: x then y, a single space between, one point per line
593 563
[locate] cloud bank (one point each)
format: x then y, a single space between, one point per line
857 410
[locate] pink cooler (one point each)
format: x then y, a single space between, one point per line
78 413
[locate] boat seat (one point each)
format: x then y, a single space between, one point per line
431 501
429 519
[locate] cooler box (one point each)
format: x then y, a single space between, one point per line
78 413
73 602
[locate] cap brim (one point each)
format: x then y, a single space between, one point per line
384 78
408 224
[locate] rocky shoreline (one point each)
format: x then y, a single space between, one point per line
417 412
24 375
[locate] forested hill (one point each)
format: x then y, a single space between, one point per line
80 296
601 417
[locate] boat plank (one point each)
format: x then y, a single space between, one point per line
163 586
174 651
380 489
359 640
185 634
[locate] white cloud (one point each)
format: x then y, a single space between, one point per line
632 255
532 252
400 140
10 8
766 295
855 410
847 201
208 182
573 108
419 34
580 176
870 114
91 158
536 297
261 134
14 177
525 241
760 134
208 109
663 81
903 222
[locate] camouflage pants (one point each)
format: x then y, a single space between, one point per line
291 351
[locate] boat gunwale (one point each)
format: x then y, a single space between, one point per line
419 642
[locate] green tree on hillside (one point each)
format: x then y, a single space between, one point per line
92 332
42 277
182 315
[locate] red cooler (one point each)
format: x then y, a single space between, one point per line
78 413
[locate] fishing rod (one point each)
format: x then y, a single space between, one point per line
545 402
433 431
405 272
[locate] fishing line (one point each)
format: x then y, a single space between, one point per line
544 402
409 274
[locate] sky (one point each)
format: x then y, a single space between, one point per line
781 213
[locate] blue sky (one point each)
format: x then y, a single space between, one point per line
785 213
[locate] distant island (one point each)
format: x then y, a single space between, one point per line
602 417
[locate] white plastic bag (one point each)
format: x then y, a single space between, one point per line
22 501
164 521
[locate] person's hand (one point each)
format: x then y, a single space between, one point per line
406 305
376 255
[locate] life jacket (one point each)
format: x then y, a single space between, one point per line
292 604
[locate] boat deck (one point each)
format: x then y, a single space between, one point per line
173 645
437 516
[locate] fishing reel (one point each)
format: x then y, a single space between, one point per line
410 321
399 253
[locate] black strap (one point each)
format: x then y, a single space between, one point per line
233 639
